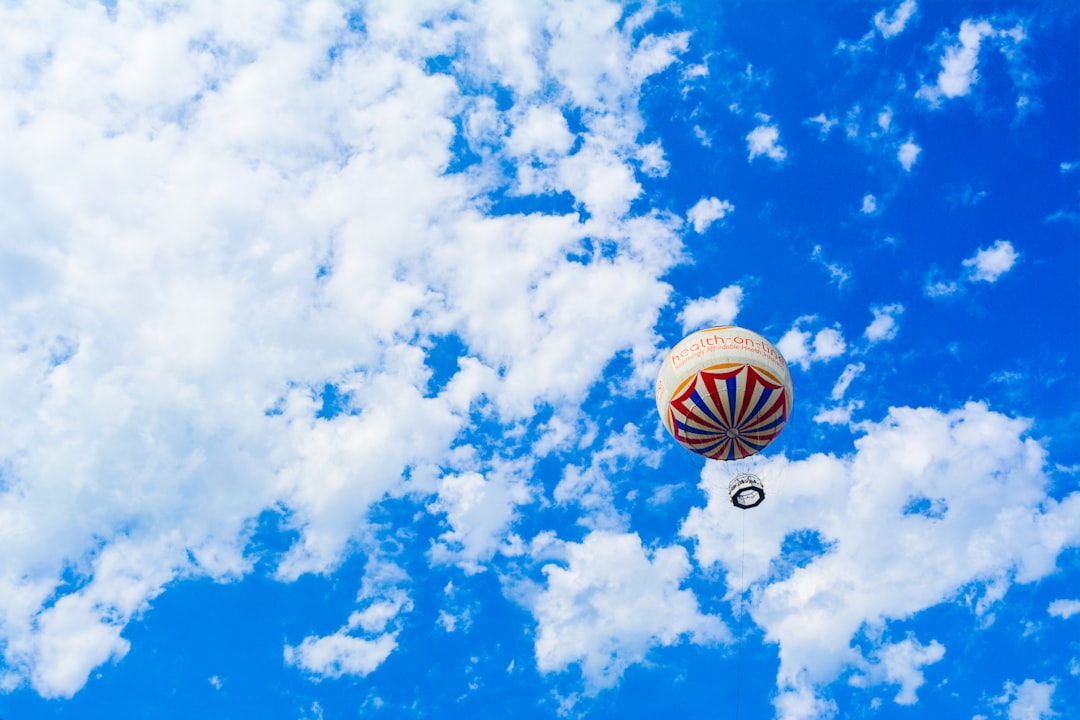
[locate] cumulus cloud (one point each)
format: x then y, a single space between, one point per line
1030 700
479 511
541 131
720 309
765 140
884 325
707 211
920 484
613 601
989 264
803 347
869 204
241 239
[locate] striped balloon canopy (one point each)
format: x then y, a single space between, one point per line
724 393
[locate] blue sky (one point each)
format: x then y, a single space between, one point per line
329 334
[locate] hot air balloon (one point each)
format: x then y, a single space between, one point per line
725 393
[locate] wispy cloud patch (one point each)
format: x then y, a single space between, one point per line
959 64
824 124
938 287
838 414
851 372
837 272
894 24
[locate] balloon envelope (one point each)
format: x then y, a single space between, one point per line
724 392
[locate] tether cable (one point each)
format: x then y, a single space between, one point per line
742 619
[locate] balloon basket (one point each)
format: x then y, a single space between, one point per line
746 491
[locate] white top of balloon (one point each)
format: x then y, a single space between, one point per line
725 393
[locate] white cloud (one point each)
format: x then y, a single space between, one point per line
828 343
1063 216
346 652
841 414
375 617
542 131
959 63
706 211
1030 700
884 325
1067 167
652 160
887 25
825 124
884 119
892 25
589 486
226 217
921 486
1064 608
480 511
869 204
837 272
721 309
851 372
838 414
611 603
340 654
908 154
989 264
938 287
801 347
765 140
901 664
